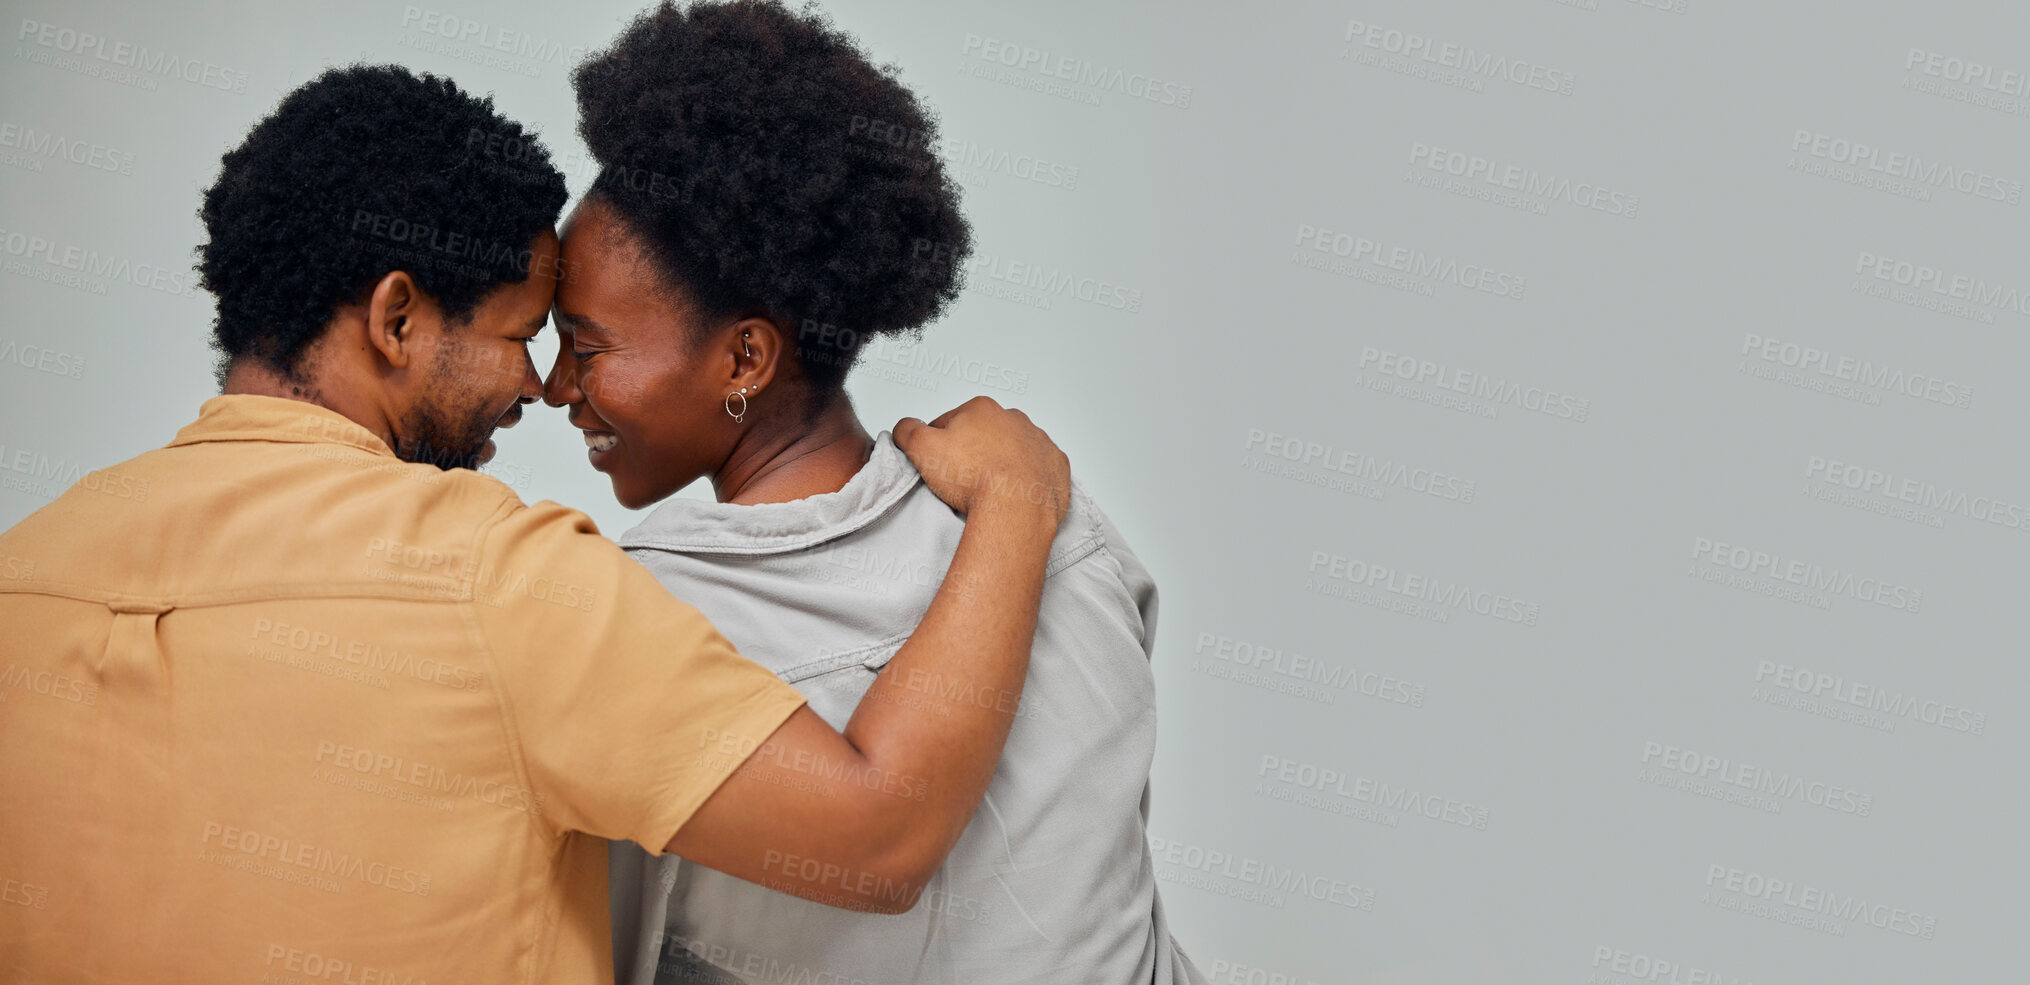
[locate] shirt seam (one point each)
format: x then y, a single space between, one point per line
277 435
1079 551
778 543
1125 596
187 600
665 800
469 605
462 590
1071 554
553 834
1088 546
857 656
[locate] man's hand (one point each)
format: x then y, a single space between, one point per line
980 456
797 814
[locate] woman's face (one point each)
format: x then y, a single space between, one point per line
634 374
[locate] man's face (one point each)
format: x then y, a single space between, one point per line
478 374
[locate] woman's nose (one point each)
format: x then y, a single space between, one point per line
561 386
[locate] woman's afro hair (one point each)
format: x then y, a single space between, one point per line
768 167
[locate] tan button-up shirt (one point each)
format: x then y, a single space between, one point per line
276 707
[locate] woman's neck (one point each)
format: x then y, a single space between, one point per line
796 459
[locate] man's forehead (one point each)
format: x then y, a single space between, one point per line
579 324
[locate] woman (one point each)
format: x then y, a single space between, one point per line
754 223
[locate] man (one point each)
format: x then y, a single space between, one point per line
302 697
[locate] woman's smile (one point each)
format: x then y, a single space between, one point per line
599 445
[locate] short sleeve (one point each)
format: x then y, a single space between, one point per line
615 690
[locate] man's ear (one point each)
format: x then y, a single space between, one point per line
395 311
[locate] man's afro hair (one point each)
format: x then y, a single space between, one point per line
364 170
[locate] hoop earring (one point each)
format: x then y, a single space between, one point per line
743 405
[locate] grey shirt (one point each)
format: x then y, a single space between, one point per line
1051 882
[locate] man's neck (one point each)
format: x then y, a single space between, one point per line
250 377
799 461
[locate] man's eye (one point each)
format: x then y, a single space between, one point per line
526 341
580 355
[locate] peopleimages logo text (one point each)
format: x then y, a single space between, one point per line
1470 60
1815 899
1077 70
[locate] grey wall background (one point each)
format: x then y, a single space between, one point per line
1695 315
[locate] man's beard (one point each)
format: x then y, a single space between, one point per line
434 435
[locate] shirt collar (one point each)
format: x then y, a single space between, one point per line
682 524
252 417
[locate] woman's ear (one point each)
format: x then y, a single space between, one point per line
758 348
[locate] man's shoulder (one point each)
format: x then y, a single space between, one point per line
196 521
